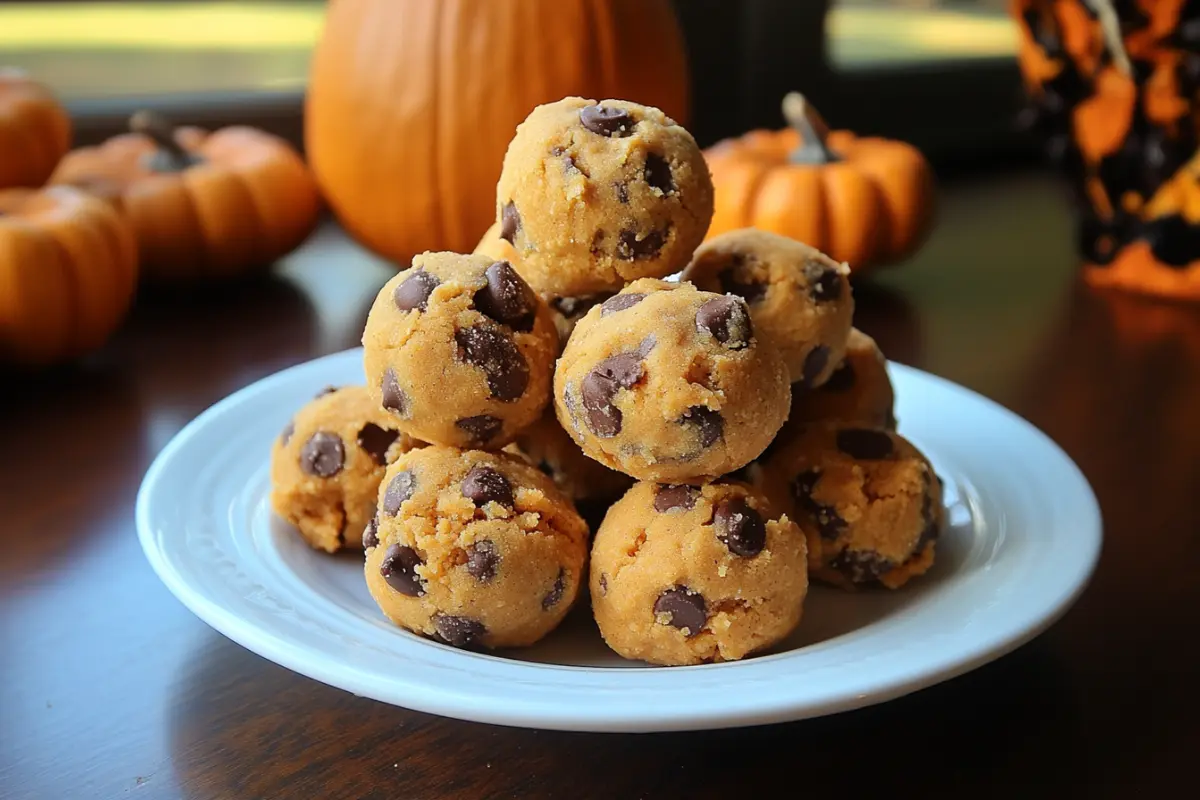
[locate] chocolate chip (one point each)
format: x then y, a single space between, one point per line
569 162
658 173
631 248
494 352
601 385
400 488
327 389
414 291
732 282
285 435
571 307
669 498
482 429
510 222
864 443
459 631
620 302
371 534
824 282
546 468
506 298
728 321
814 364
484 484
622 192
399 569
376 441
740 527
322 455
829 523
603 584
709 424
606 120
482 560
556 591
861 566
842 379
684 608
394 398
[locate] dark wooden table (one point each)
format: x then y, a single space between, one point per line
110 688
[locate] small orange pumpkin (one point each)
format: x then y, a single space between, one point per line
203 205
68 269
35 131
862 200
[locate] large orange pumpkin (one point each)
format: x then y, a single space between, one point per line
412 103
865 201
68 268
35 131
202 205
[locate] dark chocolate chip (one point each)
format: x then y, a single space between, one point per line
399 569
603 584
323 455
482 560
601 385
658 173
556 591
631 248
494 352
824 282
814 364
399 489
510 222
861 566
507 298
620 302
371 534
842 379
394 398
864 443
482 429
709 424
376 441
546 468
686 609
459 631
732 282
740 527
728 321
484 484
606 120
285 435
669 498
622 193
415 290
829 523
327 389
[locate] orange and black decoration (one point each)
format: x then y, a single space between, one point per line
1113 87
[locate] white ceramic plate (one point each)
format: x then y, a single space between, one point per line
1023 537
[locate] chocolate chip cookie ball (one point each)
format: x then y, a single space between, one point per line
595 194
692 574
549 448
668 383
799 298
858 391
460 350
476 549
327 463
868 500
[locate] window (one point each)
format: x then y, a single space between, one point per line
881 32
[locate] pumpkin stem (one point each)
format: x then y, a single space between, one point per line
1110 27
800 114
170 156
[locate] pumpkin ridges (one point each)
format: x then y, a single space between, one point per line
29 139
905 188
167 226
79 240
229 221
738 182
854 201
33 300
791 199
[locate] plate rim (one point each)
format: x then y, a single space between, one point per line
447 701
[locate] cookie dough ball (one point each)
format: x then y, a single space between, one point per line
868 500
327 463
595 194
460 350
549 448
478 550
667 383
799 298
692 574
859 390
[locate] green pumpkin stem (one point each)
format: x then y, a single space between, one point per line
170 156
800 114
